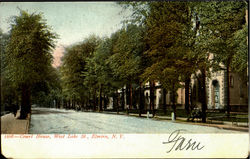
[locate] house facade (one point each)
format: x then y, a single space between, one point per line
215 90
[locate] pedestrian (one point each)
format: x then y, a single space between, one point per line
127 109
196 113
14 109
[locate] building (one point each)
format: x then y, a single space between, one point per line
215 89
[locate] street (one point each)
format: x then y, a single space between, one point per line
61 121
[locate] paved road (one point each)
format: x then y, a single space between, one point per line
60 121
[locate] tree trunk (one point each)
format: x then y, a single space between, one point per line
127 95
105 102
117 102
100 99
94 100
64 103
164 101
71 103
228 91
123 100
114 106
89 101
131 97
82 105
25 103
203 95
141 105
17 99
152 98
127 98
1 96
74 103
173 101
56 103
187 83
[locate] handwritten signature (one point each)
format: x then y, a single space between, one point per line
179 143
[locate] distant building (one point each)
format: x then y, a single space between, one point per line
215 89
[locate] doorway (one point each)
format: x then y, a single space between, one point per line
215 94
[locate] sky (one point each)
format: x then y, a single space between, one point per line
72 21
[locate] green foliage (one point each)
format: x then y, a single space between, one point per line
240 57
8 92
169 34
139 11
26 58
162 41
220 21
74 65
98 68
127 58
29 49
45 92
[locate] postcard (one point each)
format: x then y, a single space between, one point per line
136 79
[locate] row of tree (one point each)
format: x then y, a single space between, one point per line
163 41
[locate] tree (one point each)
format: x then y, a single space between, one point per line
166 21
221 23
100 70
127 58
240 57
74 64
8 93
48 93
28 54
170 38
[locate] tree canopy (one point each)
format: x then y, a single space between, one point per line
28 56
167 42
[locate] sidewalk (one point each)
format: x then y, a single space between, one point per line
11 125
218 124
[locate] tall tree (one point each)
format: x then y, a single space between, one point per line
73 66
240 57
127 60
28 54
169 34
219 23
103 72
166 21
48 93
8 92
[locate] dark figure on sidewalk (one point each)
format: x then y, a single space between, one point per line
196 113
14 109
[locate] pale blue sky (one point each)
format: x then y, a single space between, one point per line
72 21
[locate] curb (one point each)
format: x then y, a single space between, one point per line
28 123
222 125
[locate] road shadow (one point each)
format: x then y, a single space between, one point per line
35 111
